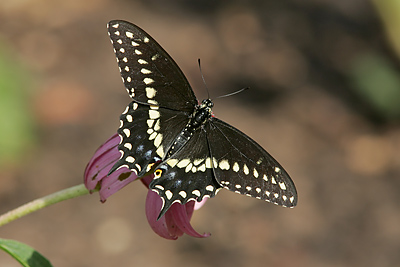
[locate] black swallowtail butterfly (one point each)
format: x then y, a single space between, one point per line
166 131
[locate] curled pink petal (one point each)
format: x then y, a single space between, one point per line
101 162
115 182
172 227
198 205
182 220
96 172
147 180
153 207
176 220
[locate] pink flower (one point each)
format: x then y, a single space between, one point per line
176 220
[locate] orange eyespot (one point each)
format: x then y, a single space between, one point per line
158 172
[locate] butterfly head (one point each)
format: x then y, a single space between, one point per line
207 103
206 106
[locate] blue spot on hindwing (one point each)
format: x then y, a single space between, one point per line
147 155
139 148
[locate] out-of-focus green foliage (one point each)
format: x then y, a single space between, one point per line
16 123
377 81
389 11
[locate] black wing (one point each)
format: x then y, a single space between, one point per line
186 175
243 166
147 132
149 74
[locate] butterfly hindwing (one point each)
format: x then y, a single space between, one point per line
149 74
187 174
245 167
146 134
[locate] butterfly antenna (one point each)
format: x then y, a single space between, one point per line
234 93
204 80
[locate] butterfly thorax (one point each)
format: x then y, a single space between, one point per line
201 114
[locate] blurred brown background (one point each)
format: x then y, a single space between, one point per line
324 100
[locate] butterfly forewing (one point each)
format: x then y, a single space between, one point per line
146 134
149 74
243 166
187 174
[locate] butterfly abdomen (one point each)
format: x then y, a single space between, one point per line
200 116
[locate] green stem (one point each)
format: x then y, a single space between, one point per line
37 204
